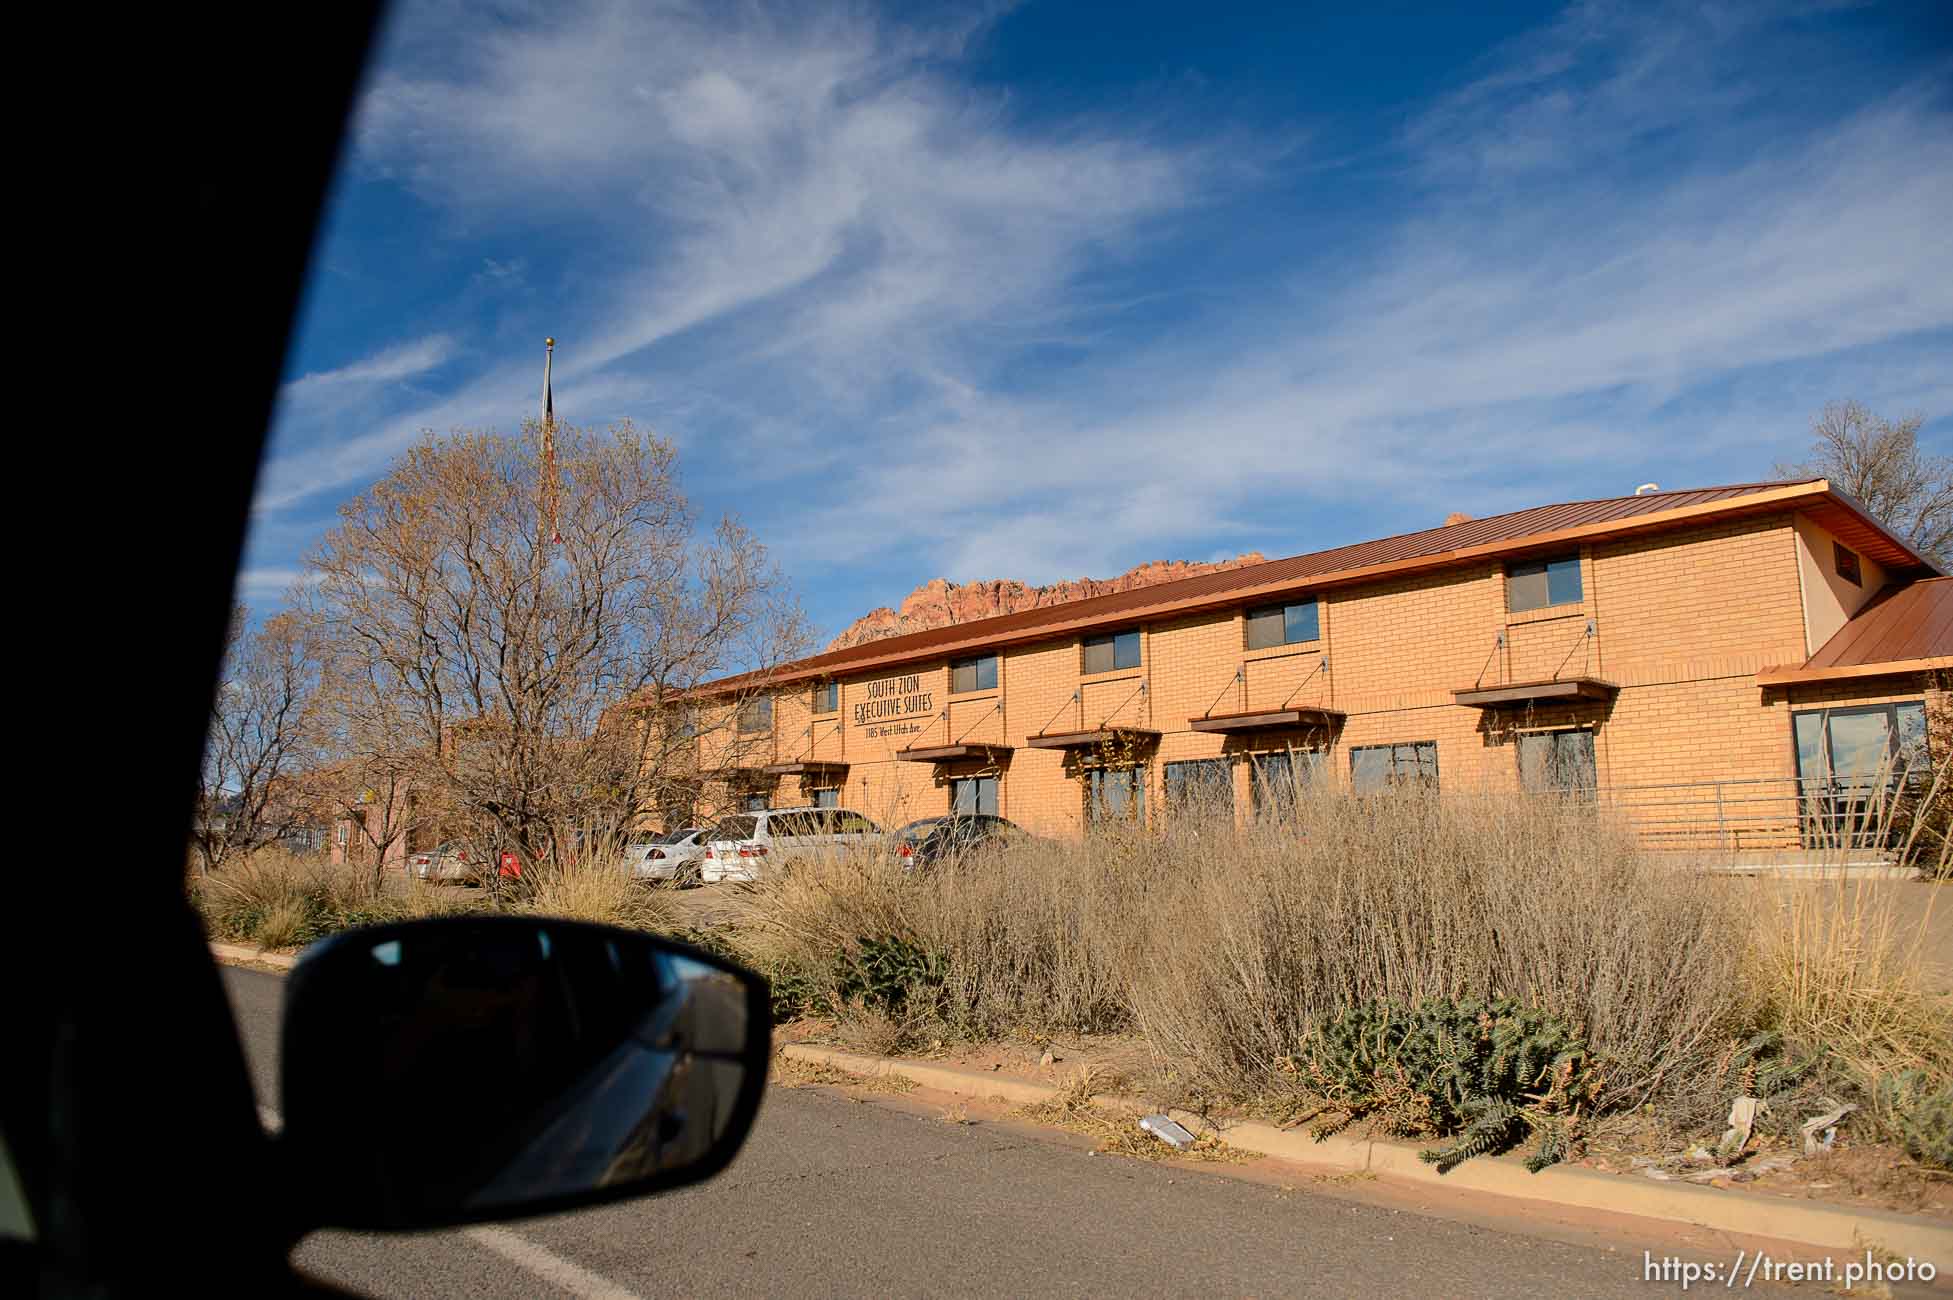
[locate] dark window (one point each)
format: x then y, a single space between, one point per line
794 823
753 802
734 828
853 823
1377 767
1201 786
1539 583
1284 624
1557 762
1276 781
1115 794
973 675
756 715
1847 562
1103 654
827 697
973 795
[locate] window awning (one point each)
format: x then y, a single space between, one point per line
951 753
1266 720
1086 739
806 767
1517 695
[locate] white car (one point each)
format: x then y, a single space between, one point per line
745 846
445 865
674 855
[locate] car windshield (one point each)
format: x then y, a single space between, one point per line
915 830
735 828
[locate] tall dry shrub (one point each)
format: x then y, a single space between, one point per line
1246 944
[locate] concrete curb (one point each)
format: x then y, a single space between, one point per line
260 956
1727 1210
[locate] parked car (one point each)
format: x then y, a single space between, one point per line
926 842
747 845
446 864
675 855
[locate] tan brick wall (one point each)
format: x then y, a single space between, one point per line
1681 621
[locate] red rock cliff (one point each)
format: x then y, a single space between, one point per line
939 602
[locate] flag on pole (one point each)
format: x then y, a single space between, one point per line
549 484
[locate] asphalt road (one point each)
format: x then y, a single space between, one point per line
836 1196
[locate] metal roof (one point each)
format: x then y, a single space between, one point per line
1515 532
1904 628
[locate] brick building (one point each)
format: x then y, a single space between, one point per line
1727 664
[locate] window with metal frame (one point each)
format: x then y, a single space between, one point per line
1851 761
756 715
978 674
1377 767
1200 786
1277 780
1275 625
1115 795
827 798
973 796
1104 654
1557 762
1536 584
827 697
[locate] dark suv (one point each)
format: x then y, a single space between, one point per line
926 842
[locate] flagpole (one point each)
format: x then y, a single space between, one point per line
549 484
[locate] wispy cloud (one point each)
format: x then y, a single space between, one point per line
886 314
402 361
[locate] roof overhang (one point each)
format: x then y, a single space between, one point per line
1087 739
1797 674
1266 720
1518 695
952 753
805 767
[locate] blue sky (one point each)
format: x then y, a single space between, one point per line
1049 290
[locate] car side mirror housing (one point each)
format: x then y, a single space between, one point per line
462 1069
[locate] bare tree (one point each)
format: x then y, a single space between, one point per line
263 735
1878 464
521 682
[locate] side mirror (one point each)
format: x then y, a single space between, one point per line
455 1070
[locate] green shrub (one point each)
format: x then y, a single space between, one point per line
892 974
1487 1072
1920 1114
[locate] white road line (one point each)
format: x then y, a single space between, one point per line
520 1251
549 1266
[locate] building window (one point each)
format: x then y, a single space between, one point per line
973 796
1539 583
1103 654
752 802
1277 781
1557 762
830 797
1284 624
973 675
756 714
1847 562
827 697
1200 787
1115 795
1377 767
1850 760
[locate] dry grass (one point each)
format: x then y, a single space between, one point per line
598 890
1843 971
1225 945
278 899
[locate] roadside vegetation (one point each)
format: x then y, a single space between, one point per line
1488 973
